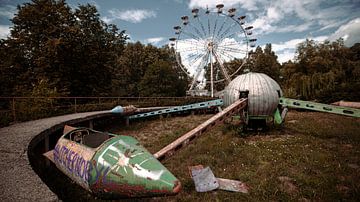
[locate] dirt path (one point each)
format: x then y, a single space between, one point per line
18 182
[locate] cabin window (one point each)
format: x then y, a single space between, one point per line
88 137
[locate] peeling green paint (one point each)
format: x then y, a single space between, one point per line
122 165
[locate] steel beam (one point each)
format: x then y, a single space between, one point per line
170 149
299 104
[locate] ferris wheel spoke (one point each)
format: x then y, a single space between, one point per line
222 68
228 29
226 54
197 31
209 29
190 42
216 20
201 25
191 35
234 50
230 56
187 49
199 68
232 43
230 35
221 27
195 59
178 59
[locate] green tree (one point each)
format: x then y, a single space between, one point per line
265 61
74 50
325 72
133 64
161 79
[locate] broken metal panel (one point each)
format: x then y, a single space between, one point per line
204 179
186 138
287 102
122 167
232 185
223 184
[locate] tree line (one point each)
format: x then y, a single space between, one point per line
60 51
54 50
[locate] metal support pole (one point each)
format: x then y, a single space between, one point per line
75 106
13 110
47 146
211 75
91 124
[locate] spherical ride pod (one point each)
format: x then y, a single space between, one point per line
263 94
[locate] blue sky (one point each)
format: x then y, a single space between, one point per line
284 23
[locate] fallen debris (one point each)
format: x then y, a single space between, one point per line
232 185
205 180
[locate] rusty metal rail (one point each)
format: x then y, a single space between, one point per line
15 109
184 140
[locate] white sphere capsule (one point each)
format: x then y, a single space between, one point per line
263 93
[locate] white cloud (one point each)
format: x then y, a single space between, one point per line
246 4
350 32
293 28
4 31
94 3
286 56
7 11
154 40
132 15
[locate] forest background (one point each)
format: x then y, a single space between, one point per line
54 50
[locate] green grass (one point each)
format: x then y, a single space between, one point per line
314 156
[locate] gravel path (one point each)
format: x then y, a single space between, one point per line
18 182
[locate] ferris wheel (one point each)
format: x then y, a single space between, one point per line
208 40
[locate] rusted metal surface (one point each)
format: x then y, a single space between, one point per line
111 166
234 108
347 104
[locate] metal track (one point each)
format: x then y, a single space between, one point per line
184 140
287 102
200 105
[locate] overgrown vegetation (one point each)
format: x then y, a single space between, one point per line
314 157
80 55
